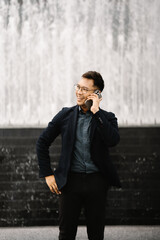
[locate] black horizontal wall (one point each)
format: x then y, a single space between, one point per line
25 200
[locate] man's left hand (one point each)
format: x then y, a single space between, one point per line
96 101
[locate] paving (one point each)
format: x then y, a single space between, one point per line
111 233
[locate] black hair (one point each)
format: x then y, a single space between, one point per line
96 77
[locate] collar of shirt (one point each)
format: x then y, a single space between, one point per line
87 113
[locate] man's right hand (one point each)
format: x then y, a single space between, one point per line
51 182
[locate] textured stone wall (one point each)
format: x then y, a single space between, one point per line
25 200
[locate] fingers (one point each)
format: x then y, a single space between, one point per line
55 189
50 180
94 96
51 189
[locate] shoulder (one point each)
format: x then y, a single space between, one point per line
65 111
62 114
107 114
69 109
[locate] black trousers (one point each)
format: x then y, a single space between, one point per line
88 191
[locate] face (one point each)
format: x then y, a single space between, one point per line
86 84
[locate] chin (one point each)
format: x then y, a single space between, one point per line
80 103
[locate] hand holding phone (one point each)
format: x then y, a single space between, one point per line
89 103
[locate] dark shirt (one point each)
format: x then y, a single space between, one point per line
82 161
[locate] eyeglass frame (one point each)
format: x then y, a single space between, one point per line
84 91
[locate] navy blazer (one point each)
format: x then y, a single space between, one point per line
104 134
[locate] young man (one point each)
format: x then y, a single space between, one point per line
85 171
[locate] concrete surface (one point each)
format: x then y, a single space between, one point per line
111 233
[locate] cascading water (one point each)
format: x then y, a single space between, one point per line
45 47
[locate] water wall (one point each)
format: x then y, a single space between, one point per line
46 45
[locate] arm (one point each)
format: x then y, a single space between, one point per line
107 127
106 122
44 142
42 147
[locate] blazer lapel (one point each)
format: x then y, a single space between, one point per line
72 125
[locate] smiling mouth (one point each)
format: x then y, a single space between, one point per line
78 98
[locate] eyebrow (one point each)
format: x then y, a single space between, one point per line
82 86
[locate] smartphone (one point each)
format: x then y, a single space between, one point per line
89 103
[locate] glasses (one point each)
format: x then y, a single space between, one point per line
83 89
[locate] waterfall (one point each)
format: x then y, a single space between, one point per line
45 47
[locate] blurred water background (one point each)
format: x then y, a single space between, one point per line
46 45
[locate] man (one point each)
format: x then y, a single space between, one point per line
85 171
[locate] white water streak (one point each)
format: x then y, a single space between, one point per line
45 47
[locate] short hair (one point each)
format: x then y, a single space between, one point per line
96 77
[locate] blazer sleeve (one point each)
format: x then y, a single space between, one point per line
108 127
43 143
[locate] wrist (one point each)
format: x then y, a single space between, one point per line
95 110
48 176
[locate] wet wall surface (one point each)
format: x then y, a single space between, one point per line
46 46
25 200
